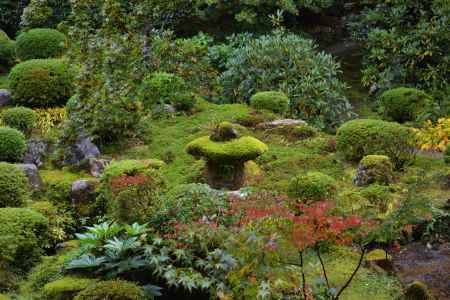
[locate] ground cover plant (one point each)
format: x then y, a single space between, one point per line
234 151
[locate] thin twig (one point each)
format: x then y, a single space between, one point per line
363 252
303 276
323 267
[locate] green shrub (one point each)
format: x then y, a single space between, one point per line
358 138
20 118
276 102
378 195
66 287
25 232
41 82
313 186
12 144
447 155
58 185
131 189
112 290
405 104
165 88
9 279
13 186
7 50
287 62
40 43
417 291
374 169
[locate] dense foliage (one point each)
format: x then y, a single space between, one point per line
42 82
13 186
20 118
40 43
291 64
7 50
12 144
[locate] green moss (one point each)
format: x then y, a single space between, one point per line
130 167
313 186
13 186
236 150
112 290
276 102
58 185
66 287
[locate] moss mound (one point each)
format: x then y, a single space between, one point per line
273 101
417 291
112 290
41 43
66 287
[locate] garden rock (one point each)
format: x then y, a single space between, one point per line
82 195
374 169
5 97
32 173
36 152
81 151
281 123
96 166
164 109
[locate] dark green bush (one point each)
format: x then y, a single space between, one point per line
13 186
291 64
130 189
112 290
276 102
40 43
7 50
313 186
20 118
358 138
417 291
447 155
42 82
24 231
12 144
406 104
166 88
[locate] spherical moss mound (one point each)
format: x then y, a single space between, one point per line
26 233
417 291
42 82
405 104
40 43
240 149
313 186
20 118
447 155
12 144
112 290
13 186
7 50
358 138
66 287
276 102
374 169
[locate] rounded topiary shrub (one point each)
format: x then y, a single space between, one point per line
166 88
40 43
7 50
112 290
276 102
447 155
374 169
13 186
130 190
42 82
405 104
20 118
358 138
25 231
12 144
313 186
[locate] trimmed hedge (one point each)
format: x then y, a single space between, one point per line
42 83
25 231
112 290
273 101
12 144
20 118
7 50
405 104
358 138
40 43
13 186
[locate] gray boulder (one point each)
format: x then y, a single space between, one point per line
82 195
32 173
281 123
164 109
96 166
81 151
5 97
36 152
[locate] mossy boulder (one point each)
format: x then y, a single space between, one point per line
277 102
112 290
417 291
374 169
225 154
66 287
312 186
